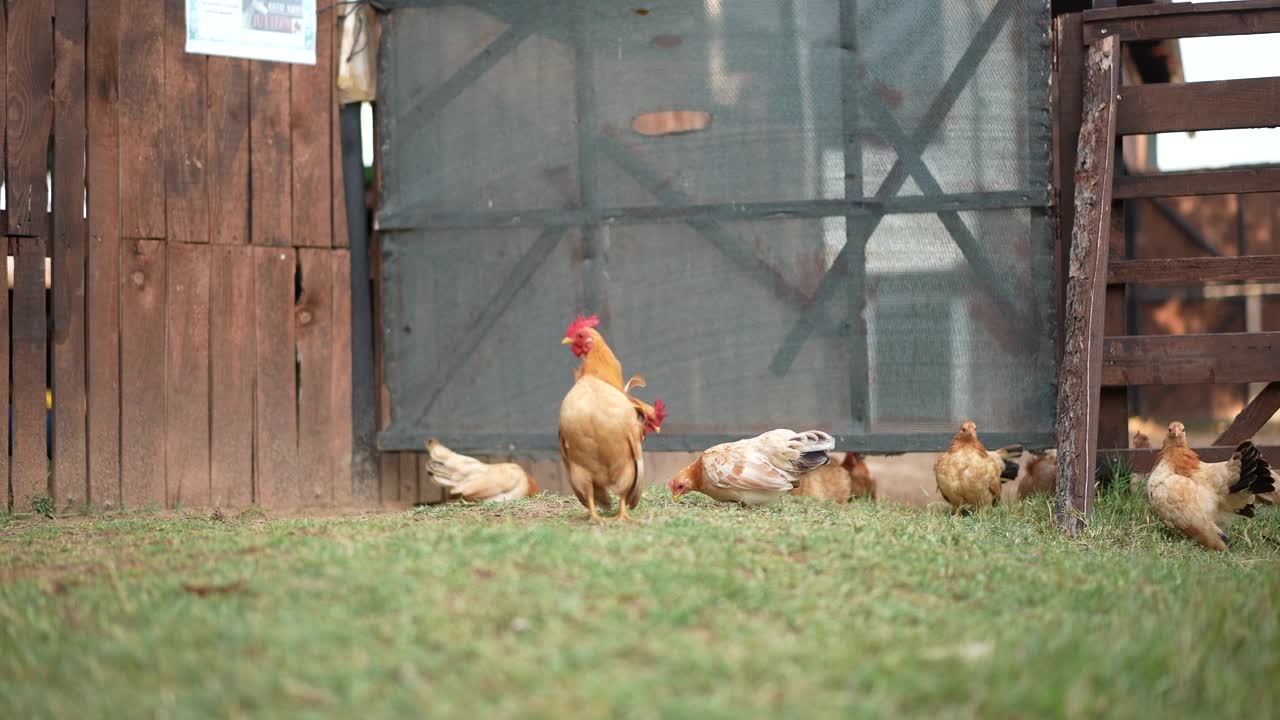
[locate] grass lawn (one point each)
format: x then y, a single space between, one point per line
699 611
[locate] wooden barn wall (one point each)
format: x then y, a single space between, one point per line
1219 222
198 328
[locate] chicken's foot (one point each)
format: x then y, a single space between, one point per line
623 515
591 506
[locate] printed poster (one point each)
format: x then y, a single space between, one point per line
275 30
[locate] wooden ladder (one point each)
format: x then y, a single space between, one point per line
1099 358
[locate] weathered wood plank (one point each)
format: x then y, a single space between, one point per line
341 436
70 463
231 372
142 359
1068 111
103 283
275 398
1191 359
1253 416
1195 271
1240 21
141 110
316 424
186 426
272 196
1113 408
228 153
341 238
1217 105
389 477
1200 182
186 132
1139 10
311 144
1080 374
6 499
29 49
408 478
1143 460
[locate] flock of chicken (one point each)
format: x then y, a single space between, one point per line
603 427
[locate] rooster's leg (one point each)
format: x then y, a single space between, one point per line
623 515
591 506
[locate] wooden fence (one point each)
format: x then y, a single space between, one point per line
200 324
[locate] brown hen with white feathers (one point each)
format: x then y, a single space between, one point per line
471 479
1201 499
755 471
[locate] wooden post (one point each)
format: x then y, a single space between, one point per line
1080 376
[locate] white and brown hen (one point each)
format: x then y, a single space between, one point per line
472 479
755 471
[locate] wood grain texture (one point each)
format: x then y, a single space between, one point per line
341 433
141 108
315 333
1200 182
231 372
103 282
70 463
270 157
389 477
341 238
1217 105
6 499
1251 419
142 374
186 136
1195 271
29 51
1113 408
311 145
1081 369
275 396
1226 19
1068 112
1191 359
186 426
408 493
228 164
1130 10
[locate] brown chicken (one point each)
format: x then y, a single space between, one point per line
601 428
1136 479
598 360
755 471
1041 477
968 475
1200 499
838 483
472 479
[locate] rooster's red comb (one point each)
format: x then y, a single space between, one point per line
581 323
659 411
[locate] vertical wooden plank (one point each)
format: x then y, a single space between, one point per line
70 464
341 237
1080 376
314 316
141 114
275 395
408 478
231 372
228 165
6 496
311 144
30 121
186 134
389 478
187 395
1113 403
341 436
271 181
103 283
142 361
1068 85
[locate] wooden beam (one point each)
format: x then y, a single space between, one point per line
1215 182
1113 408
1191 359
1222 19
1068 84
1162 10
1143 460
1218 105
1195 271
1080 377
1253 416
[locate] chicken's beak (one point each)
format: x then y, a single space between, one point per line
566 341
675 497
657 428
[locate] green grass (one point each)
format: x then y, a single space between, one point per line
699 611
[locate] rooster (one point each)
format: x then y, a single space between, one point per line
838 483
598 360
755 471
602 427
968 475
1042 473
474 480
1200 499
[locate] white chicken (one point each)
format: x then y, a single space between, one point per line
755 471
1200 499
475 480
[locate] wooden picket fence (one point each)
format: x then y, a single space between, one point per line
200 327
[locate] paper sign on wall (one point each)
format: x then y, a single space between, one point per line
276 30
